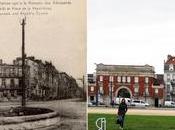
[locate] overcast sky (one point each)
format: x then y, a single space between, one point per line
134 32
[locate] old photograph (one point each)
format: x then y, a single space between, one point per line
43 65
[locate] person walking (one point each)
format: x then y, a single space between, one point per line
113 103
121 113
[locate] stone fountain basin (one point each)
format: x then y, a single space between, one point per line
20 115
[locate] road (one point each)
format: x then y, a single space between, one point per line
134 111
71 111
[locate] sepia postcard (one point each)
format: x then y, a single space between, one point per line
43 64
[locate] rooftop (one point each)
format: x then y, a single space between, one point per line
170 60
125 68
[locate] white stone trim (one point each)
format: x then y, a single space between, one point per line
140 74
121 87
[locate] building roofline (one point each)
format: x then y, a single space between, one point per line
125 65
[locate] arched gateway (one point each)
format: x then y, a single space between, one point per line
123 92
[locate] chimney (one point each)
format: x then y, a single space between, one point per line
169 56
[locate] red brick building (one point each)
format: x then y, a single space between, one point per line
92 88
130 81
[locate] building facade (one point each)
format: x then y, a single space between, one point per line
169 78
91 87
42 81
159 90
129 81
67 86
10 80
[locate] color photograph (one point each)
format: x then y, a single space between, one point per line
131 65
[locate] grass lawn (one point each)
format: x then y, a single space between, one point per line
134 122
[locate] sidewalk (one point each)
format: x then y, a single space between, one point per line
151 111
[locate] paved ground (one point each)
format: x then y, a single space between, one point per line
134 111
72 113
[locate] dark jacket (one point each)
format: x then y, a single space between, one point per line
122 109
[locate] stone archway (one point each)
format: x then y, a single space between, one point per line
123 92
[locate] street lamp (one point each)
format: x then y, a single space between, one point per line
23 62
145 94
97 88
100 81
111 79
